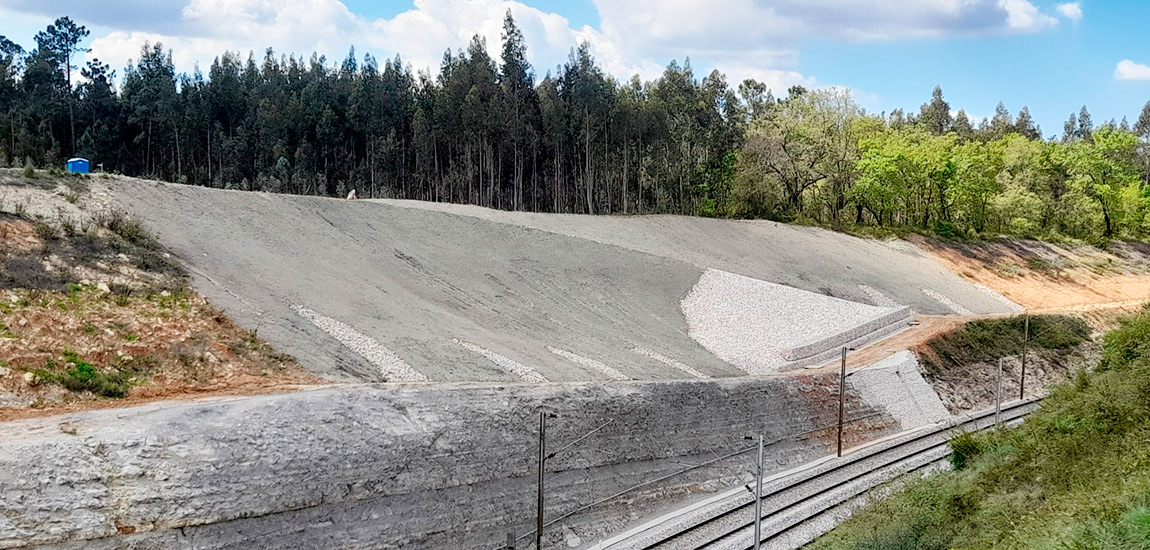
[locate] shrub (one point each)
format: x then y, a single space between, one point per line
30 171
1128 343
85 377
130 230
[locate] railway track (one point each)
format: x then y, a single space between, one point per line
791 502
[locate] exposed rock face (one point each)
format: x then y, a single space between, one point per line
387 467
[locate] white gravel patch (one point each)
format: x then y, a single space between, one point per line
761 327
590 363
877 298
896 384
671 362
950 304
528 374
1001 299
393 368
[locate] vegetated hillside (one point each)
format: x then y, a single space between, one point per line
962 364
93 310
1076 474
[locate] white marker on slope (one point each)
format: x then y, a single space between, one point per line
589 363
669 362
946 301
528 374
393 368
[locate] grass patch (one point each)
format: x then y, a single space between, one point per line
991 339
1076 474
80 376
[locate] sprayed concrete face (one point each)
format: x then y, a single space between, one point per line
367 291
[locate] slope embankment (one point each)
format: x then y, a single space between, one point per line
369 291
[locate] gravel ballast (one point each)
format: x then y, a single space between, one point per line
763 327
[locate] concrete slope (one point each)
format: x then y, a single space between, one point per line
453 297
371 291
808 258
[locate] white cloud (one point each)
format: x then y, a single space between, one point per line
743 38
1070 10
1129 70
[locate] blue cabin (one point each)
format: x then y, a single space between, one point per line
78 166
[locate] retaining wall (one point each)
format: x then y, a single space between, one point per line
386 467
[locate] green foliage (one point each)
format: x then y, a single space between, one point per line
1128 343
989 339
1076 474
485 131
84 377
964 447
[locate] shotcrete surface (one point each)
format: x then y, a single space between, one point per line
412 283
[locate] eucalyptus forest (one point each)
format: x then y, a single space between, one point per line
487 131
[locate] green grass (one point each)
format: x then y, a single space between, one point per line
990 339
1075 475
84 377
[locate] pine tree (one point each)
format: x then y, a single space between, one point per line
1142 128
1085 125
1001 124
962 125
1070 129
1025 124
935 116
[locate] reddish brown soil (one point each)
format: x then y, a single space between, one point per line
173 347
1049 277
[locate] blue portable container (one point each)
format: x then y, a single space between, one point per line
78 166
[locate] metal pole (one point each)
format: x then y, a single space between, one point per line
542 458
510 541
1025 345
998 397
759 498
842 398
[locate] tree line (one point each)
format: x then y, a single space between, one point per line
486 131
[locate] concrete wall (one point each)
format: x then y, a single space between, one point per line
386 466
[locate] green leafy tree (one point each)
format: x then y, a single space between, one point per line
1102 170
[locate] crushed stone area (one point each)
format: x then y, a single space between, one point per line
954 307
877 298
527 374
669 361
390 365
761 327
589 363
897 385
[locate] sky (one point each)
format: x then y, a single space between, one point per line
1052 56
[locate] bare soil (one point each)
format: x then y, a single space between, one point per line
94 313
1050 277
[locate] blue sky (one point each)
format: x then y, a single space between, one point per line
1050 55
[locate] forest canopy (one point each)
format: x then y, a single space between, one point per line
487 131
